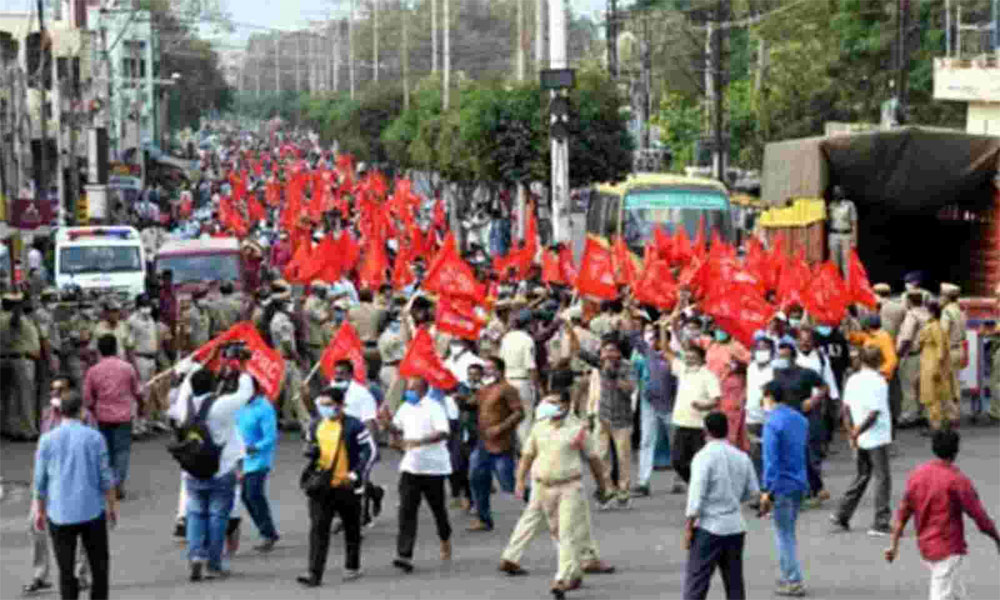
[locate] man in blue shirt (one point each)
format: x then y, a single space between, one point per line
786 432
258 427
656 397
75 495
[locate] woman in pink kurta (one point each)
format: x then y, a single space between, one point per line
727 359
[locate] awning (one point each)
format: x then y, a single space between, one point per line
802 212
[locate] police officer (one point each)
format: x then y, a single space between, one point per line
368 319
908 350
317 315
392 348
226 309
843 228
113 325
48 334
280 334
20 347
144 339
891 310
953 322
199 319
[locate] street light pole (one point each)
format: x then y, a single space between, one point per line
560 147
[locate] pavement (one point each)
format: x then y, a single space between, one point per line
644 543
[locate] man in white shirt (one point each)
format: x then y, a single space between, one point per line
759 373
460 358
870 425
517 349
34 258
698 393
421 428
210 501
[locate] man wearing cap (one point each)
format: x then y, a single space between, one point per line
317 321
368 319
113 325
199 319
908 350
843 220
891 311
280 333
144 339
226 309
953 322
49 337
517 349
392 348
20 347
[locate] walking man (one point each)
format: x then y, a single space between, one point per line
258 427
656 398
74 495
908 351
698 392
868 420
517 349
111 392
722 478
786 433
499 411
938 495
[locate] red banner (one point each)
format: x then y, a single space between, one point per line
345 345
266 364
422 361
858 285
449 274
597 276
458 317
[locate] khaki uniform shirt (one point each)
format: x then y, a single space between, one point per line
25 340
283 334
551 444
892 315
517 349
227 312
953 323
317 314
47 329
914 321
120 331
143 335
199 326
391 347
365 317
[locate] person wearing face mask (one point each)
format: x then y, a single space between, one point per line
113 325
759 373
698 393
466 436
908 350
368 318
420 427
728 359
20 348
342 445
891 310
145 343
656 395
317 322
199 320
52 417
556 448
392 344
279 333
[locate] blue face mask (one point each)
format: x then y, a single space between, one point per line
548 410
721 336
824 330
781 363
411 397
328 412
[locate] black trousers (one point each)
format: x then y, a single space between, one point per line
707 552
94 536
459 478
686 442
870 462
412 488
347 504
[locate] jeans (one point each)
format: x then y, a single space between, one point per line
814 452
786 513
413 488
210 502
119 439
347 503
255 499
655 426
709 551
482 466
874 461
755 431
94 535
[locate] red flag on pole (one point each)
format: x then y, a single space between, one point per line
266 364
457 316
597 275
858 285
345 345
422 361
449 274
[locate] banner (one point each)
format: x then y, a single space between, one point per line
858 286
422 361
266 364
345 345
458 317
597 276
449 274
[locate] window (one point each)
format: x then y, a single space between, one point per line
201 267
78 260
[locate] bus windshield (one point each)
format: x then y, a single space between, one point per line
670 208
201 267
77 260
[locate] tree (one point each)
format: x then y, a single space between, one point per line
600 146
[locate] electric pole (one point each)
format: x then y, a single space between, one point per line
434 36
350 47
540 34
447 55
375 39
646 83
42 191
903 62
560 147
522 40
298 62
612 33
277 62
405 59
716 32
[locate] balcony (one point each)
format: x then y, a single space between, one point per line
974 80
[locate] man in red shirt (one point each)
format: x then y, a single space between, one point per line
937 494
111 392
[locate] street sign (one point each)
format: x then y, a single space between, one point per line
557 79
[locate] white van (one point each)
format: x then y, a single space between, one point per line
104 259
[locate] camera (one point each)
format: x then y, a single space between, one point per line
236 351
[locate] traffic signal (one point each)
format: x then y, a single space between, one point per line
559 117
81 209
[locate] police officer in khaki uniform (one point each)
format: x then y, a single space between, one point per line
891 310
953 322
48 334
281 331
392 348
908 350
20 347
113 325
226 309
199 320
144 338
317 315
368 318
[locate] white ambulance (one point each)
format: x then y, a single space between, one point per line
102 258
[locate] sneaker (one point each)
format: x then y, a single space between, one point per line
403 564
792 590
511 568
624 502
180 528
352 574
308 580
883 531
197 567
839 526
678 488
377 498
597 567
36 585
640 491
445 549
267 545
478 525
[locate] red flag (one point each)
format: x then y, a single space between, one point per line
698 246
656 286
597 276
740 316
449 274
440 217
323 259
422 361
255 209
827 297
795 278
301 259
402 275
373 265
551 273
858 286
266 364
566 266
457 316
681 246
345 345
662 244
624 264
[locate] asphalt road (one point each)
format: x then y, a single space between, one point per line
644 542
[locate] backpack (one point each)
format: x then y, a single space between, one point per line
195 450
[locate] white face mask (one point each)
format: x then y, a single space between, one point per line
650 338
146 311
762 357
